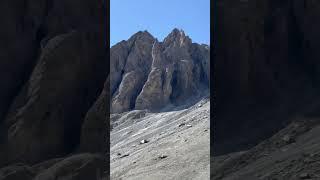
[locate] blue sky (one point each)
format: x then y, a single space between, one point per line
159 17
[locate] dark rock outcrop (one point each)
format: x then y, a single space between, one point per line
148 74
26 26
46 118
266 68
53 68
94 133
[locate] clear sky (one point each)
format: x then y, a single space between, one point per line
159 17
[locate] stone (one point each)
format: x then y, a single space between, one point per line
182 124
125 155
288 139
163 156
144 141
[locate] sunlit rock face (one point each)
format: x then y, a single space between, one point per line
148 74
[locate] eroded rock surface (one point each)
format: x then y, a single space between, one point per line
148 74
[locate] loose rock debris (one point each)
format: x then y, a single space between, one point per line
163 156
144 141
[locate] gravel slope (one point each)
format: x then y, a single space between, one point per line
177 147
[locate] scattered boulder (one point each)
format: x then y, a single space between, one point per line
182 124
125 155
144 141
163 156
288 139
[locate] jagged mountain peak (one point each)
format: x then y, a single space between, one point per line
143 37
177 37
177 31
142 34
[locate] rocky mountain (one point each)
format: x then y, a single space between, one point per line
148 74
267 90
160 108
266 68
53 102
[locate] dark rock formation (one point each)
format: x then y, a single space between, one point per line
94 135
46 117
53 68
266 68
147 74
80 166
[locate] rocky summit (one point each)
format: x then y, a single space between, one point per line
148 74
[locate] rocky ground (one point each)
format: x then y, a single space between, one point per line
166 145
292 153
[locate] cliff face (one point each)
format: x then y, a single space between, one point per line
53 68
148 74
266 68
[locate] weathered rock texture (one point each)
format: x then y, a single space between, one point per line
148 74
53 69
266 68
